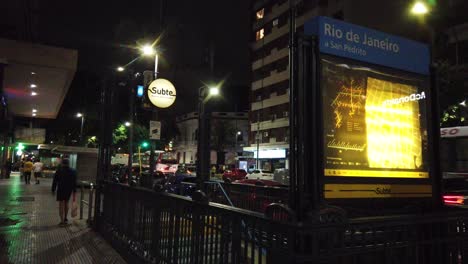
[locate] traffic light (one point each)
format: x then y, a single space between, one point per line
144 144
140 90
20 146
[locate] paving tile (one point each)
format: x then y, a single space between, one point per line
29 231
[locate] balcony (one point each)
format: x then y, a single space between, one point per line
275 77
270 124
274 56
272 101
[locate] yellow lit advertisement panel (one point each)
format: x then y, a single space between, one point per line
374 123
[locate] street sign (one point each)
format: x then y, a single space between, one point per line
155 130
359 43
162 93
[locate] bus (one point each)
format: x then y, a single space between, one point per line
166 162
454 165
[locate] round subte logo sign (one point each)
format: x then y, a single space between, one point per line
161 93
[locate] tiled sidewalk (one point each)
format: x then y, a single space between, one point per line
29 231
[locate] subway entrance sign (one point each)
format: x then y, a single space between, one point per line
373 102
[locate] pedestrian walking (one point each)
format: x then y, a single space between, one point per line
8 166
27 170
21 168
37 168
65 184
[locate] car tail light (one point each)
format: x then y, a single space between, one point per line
454 199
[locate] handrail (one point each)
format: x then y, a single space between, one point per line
89 202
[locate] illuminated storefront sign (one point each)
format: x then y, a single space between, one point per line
454 132
271 154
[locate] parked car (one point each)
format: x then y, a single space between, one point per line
259 182
181 183
260 174
188 170
234 175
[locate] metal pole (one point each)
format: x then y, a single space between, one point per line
257 137
90 202
293 199
200 139
130 131
156 60
81 202
81 129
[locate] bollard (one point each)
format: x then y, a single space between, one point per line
81 202
90 202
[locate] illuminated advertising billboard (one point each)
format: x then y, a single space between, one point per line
374 122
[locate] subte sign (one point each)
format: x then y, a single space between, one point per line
162 93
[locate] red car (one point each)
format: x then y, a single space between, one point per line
234 175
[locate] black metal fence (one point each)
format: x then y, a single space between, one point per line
163 228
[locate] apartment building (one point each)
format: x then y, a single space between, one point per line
269 94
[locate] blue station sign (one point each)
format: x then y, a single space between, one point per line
359 43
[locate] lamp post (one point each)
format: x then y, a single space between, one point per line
80 115
238 133
149 51
203 143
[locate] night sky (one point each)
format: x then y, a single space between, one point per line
108 33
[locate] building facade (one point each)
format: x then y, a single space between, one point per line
269 93
228 135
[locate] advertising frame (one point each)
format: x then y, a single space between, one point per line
371 193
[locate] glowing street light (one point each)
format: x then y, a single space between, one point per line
419 8
463 103
120 69
34 110
80 115
33 93
33 85
214 91
127 124
148 50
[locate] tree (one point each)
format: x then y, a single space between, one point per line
454 115
119 135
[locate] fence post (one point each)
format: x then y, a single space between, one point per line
90 202
81 202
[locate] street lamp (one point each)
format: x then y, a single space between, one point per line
127 124
80 115
148 50
419 8
203 143
120 69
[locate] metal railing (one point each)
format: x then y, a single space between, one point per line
164 228
88 203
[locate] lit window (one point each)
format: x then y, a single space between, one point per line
260 34
260 13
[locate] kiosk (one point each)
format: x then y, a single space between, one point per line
365 120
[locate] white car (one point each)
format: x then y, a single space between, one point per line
260 175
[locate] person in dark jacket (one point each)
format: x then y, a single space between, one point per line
65 184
